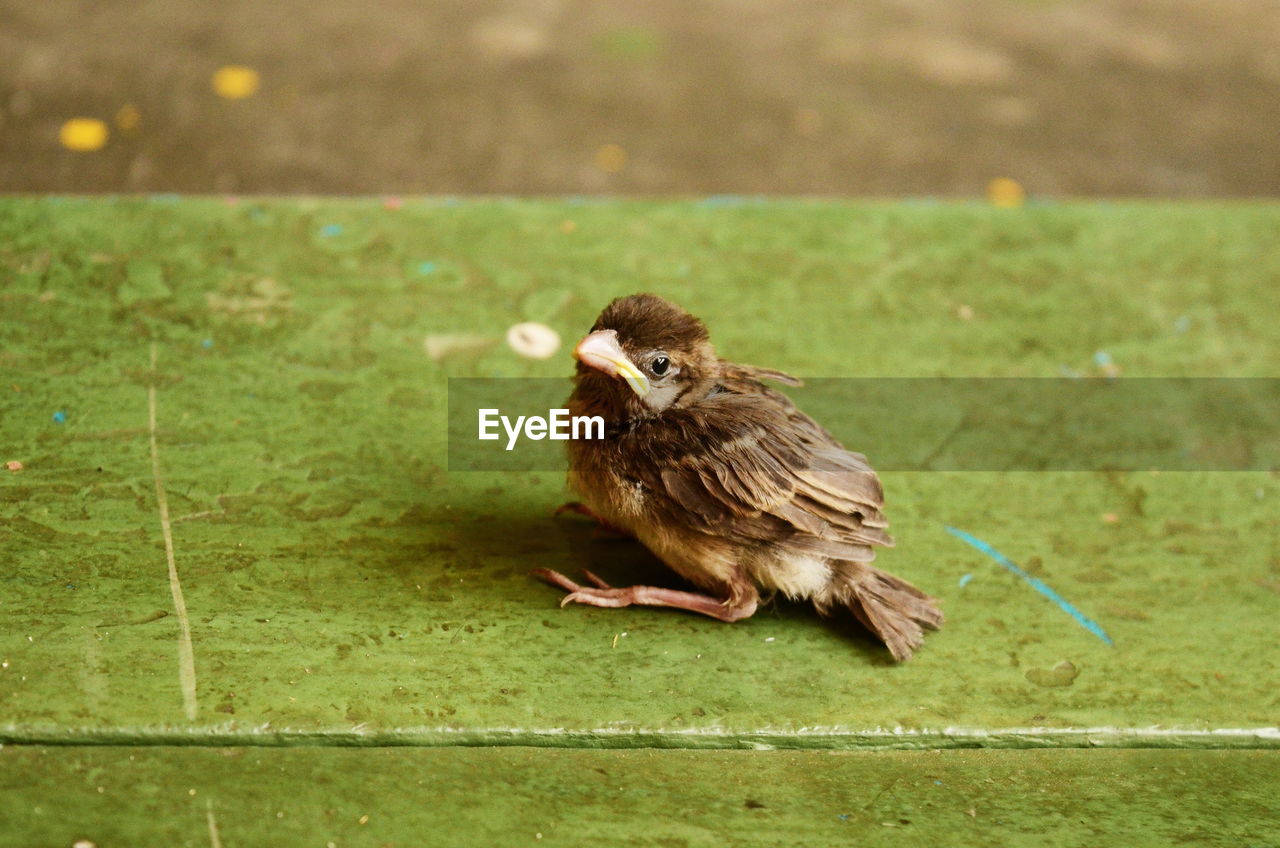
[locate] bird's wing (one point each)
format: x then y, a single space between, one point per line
750 466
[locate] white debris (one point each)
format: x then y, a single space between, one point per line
533 340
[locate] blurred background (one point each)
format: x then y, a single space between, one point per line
1162 98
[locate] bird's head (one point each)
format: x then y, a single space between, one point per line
644 355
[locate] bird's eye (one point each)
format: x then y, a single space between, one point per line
659 366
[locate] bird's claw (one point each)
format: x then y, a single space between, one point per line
599 593
599 584
605 597
572 597
555 578
576 507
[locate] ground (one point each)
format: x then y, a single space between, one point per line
248 597
890 97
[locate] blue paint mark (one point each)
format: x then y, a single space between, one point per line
1102 359
331 230
59 417
964 581
206 344
1182 324
1039 585
843 817
426 267
937 782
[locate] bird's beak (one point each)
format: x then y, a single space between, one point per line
602 352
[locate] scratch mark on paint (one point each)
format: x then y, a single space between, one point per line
186 653
215 841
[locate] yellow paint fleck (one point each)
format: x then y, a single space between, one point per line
236 82
1110 518
128 118
1005 193
363 819
84 135
611 158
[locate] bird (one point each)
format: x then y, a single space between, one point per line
726 481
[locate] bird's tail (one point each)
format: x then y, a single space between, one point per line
888 606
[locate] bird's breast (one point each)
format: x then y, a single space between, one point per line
610 496
598 474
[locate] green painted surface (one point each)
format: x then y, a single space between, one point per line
340 581
518 796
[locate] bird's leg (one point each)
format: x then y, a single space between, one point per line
601 594
603 526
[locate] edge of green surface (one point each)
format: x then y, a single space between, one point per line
825 738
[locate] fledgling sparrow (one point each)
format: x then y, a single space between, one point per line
726 481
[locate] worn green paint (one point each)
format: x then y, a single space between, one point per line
514 796
344 586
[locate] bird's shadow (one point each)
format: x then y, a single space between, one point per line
571 545
567 544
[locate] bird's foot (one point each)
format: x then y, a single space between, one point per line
603 527
601 594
